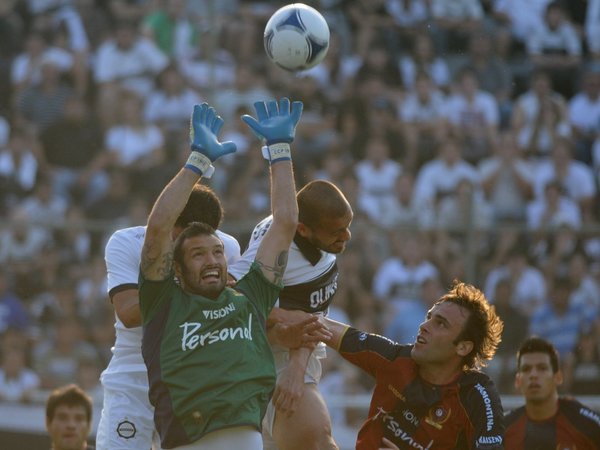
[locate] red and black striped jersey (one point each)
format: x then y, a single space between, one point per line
465 414
573 427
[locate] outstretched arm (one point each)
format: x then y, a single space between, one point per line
157 253
276 125
336 330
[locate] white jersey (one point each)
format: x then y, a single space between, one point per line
310 278
123 255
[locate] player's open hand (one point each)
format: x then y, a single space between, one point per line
275 122
205 125
307 332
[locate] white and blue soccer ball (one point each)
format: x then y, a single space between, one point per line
296 37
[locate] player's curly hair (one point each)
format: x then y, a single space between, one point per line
483 326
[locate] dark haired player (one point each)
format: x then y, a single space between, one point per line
547 421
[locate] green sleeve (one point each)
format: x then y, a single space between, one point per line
153 294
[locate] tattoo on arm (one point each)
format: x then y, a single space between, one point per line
278 268
161 264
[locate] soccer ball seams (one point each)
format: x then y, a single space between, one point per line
294 42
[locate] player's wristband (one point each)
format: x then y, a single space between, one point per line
277 152
199 163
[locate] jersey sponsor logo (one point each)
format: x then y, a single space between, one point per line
323 294
484 441
489 414
191 339
590 415
218 313
396 392
410 417
399 433
126 429
438 416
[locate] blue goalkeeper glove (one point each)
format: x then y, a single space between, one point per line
205 125
276 125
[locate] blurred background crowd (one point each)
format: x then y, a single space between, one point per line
465 134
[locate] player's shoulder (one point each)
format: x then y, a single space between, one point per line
575 410
129 234
226 238
126 238
476 386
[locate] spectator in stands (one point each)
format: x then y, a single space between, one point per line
473 116
465 207
57 356
44 205
556 48
584 114
13 312
400 210
26 69
409 17
21 244
506 180
17 381
575 178
19 167
528 283
401 327
170 28
136 147
455 22
421 115
71 149
424 58
441 176
400 276
126 60
167 104
69 418
249 87
376 174
539 117
559 319
592 28
520 18
586 289
39 106
582 374
493 73
368 20
552 210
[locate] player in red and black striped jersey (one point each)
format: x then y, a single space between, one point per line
547 421
429 395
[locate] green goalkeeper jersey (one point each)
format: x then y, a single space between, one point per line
209 362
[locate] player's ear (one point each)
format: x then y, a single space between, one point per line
303 230
463 348
177 268
558 378
518 380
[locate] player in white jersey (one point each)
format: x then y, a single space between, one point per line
127 420
297 417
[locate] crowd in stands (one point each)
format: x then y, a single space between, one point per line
465 134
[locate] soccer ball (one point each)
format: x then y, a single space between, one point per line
296 37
